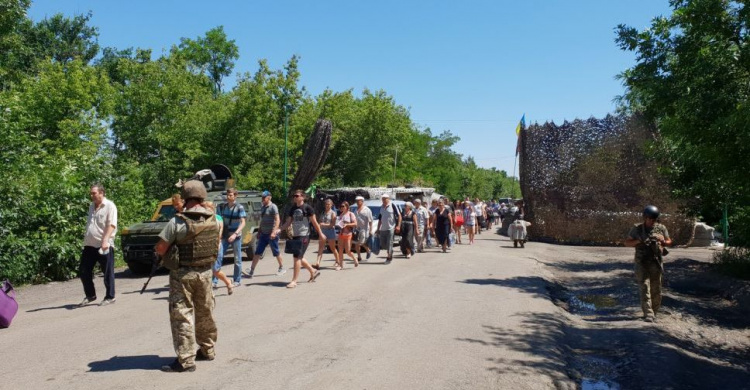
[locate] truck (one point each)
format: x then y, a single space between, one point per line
138 240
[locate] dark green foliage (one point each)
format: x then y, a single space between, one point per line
692 78
137 124
734 262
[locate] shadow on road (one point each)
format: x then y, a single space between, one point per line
154 291
633 356
70 306
120 363
528 284
270 284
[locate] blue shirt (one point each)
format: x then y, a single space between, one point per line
231 215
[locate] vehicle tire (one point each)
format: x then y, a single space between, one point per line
139 268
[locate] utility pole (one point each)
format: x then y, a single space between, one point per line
395 159
286 144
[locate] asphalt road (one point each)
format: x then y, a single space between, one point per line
436 321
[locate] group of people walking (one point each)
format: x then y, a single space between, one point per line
192 245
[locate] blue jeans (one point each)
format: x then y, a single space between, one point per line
237 249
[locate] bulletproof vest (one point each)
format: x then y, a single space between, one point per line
650 250
200 247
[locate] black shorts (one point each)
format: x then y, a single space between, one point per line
480 221
305 242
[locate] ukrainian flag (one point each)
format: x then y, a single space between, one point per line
521 125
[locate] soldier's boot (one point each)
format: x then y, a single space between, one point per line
202 356
175 366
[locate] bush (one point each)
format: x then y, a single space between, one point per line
734 262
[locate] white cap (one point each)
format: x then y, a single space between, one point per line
384 196
359 198
417 200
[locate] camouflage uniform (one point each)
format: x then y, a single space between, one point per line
648 271
191 299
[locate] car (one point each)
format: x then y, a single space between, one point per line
138 240
375 206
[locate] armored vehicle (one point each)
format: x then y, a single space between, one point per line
138 240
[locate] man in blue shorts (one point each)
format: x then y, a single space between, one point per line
269 225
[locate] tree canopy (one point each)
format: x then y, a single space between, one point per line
692 77
72 114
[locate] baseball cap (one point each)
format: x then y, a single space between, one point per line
384 196
417 200
359 198
265 193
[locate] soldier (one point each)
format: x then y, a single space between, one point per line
649 239
195 234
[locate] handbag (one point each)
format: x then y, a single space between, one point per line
8 304
293 246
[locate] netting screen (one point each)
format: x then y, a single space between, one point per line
587 181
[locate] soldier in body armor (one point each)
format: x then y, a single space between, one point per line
189 245
649 239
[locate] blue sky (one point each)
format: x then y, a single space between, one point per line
471 67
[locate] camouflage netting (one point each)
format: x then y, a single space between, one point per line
586 182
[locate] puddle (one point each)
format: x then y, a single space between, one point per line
591 302
588 384
596 373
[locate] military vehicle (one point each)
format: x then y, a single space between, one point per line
138 240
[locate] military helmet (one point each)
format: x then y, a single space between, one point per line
651 212
194 189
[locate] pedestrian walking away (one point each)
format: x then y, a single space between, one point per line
364 227
649 239
98 246
234 216
327 225
267 234
300 216
189 245
389 223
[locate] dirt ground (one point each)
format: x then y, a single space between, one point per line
701 339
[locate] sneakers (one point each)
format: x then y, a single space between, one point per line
281 271
203 357
368 256
249 273
388 261
175 366
107 301
236 284
86 301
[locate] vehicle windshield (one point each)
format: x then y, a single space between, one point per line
166 212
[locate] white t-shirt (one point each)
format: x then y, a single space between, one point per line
97 222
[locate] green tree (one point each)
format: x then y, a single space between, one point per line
212 54
64 39
54 131
692 77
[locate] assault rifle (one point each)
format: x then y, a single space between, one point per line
654 246
156 263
